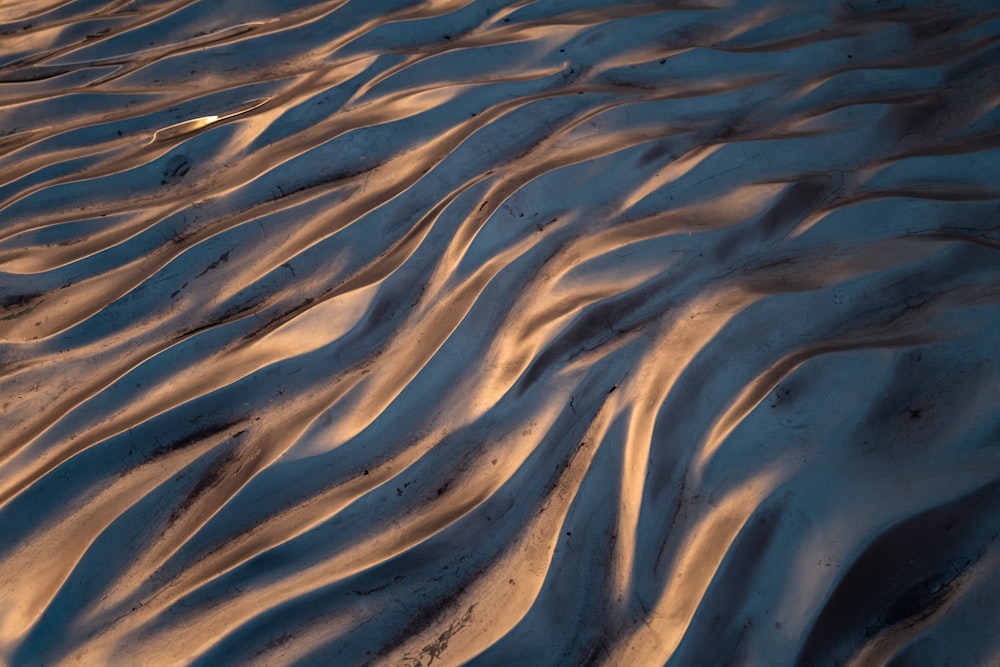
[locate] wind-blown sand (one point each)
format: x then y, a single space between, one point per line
567 332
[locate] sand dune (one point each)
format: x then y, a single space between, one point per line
552 332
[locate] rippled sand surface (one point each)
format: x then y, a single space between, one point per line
555 332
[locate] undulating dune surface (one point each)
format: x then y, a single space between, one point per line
553 332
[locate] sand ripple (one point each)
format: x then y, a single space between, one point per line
513 333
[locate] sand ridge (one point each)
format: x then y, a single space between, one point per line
499 333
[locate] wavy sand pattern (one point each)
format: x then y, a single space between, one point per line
555 332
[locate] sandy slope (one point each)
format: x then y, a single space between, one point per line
560 332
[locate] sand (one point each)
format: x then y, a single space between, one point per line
555 332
